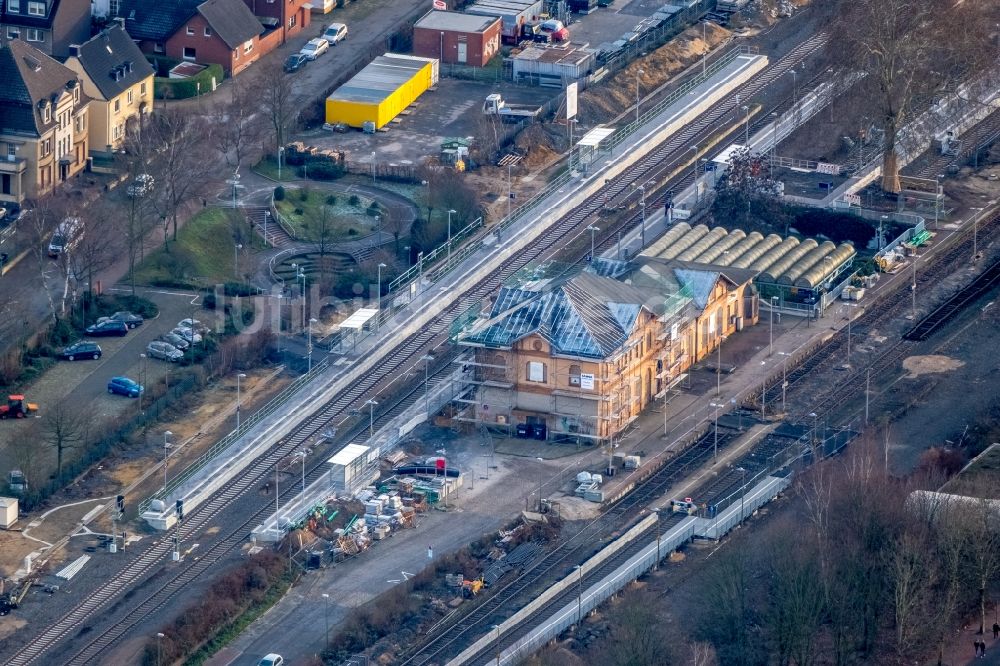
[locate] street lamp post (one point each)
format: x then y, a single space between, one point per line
656 564
937 198
694 149
378 297
236 260
497 628
280 151
302 455
302 293
267 214
743 489
704 38
451 212
426 358
373 167
718 369
784 378
795 87
579 593
774 143
770 342
593 230
142 369
159 647
326 613
309 345
508 189
238 400
715 446
166 448
746 140
815 432
637 73
371 417
642 207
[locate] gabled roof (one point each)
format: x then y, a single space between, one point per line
113 61
586 316
29 76
156 20
231 20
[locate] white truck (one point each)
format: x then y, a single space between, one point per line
495 105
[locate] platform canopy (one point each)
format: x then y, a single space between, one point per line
348 454
593 138
358 320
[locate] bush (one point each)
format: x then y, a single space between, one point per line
304 194
279 193
324 171
299 211
373 210
184 88
331 200
354 200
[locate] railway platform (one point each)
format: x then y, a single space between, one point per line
433 299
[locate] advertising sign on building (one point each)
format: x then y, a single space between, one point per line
571 100
440 4
587 382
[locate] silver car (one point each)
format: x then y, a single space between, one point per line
187 334
175 340
163 350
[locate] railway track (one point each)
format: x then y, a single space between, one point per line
574 550
406 356
720 491
981 134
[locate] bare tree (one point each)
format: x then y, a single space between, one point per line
982 529
273 91
63 428
27 455
321 224
136 203
237 125
97 249
396 223
179 168
910 52
40 223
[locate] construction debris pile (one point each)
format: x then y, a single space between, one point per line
503 562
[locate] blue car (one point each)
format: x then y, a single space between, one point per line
124 386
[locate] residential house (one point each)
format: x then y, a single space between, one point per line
118 79
43 123
288 17
582 357
224 32
48 25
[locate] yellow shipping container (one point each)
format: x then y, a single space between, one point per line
380 91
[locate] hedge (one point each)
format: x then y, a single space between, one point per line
184 88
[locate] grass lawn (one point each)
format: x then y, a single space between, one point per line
202 255
268 167
345 221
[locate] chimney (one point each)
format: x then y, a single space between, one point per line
74 50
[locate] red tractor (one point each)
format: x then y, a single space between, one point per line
17 408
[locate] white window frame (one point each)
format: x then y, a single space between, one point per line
190 31
118 105
47 114
34 35
142 88
675 331
188 58
130 97
14 6
208 31
36 5
248 46
13 32
536 372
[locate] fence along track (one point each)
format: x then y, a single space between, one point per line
410 351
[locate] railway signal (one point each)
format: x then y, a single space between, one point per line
120 504
180 510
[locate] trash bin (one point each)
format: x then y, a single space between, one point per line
522 430
538 431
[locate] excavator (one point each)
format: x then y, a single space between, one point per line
471 588
17 408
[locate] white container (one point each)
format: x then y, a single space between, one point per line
583 477
8 512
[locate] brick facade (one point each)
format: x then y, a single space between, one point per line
195 41
447 45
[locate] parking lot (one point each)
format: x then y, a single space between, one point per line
83 384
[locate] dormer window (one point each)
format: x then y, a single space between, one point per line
76 94
36 8
46 109
14 6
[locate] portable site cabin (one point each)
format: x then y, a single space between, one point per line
380 91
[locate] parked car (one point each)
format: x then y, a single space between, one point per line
295 62
124 386
141 186
314 48
65 237
555 30
175 340
271 660
106 328
187 334
164 351
193 324
81 349
127 318
335 33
